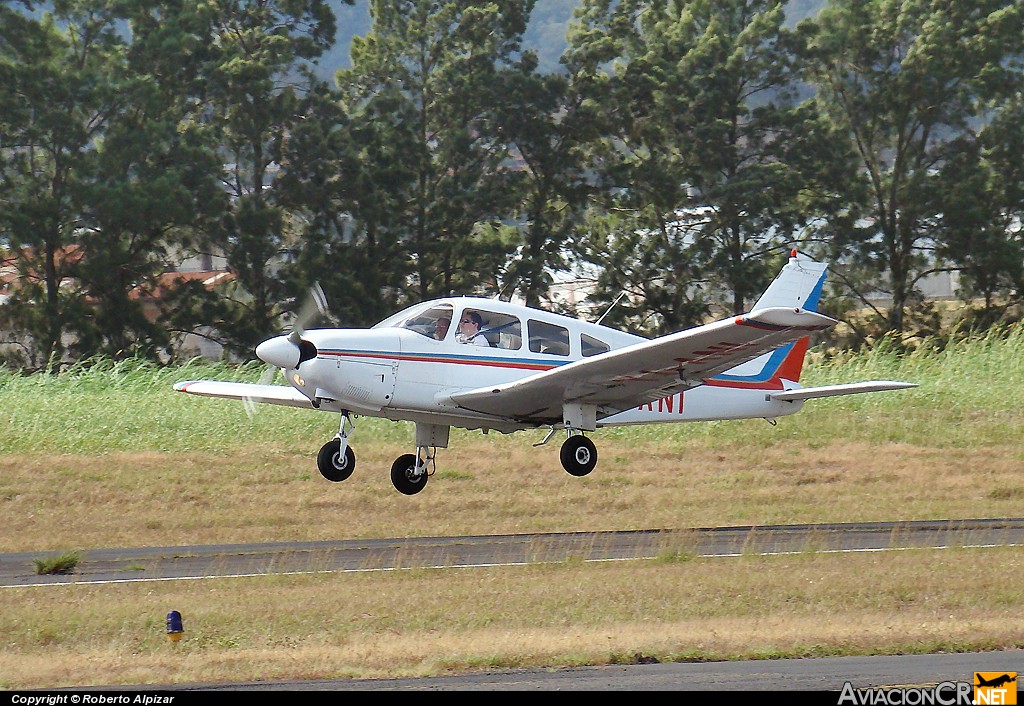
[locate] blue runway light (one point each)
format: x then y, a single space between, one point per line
174 626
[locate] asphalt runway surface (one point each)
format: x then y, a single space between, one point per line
947 672
236 560
17 570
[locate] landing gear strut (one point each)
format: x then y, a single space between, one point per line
336 459
409 472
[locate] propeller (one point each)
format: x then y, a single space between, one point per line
292 350
314 307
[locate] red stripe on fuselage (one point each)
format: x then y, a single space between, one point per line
434 359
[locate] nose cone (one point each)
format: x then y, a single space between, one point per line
279 352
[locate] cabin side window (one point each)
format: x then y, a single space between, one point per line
548 338
592 346
501 330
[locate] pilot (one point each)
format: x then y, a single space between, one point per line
469 330
441 328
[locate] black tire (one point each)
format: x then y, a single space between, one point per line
331 465
402 475
578 455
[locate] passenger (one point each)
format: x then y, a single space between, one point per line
469 330
441 328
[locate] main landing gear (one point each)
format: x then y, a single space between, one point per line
578 455
409 471
336 459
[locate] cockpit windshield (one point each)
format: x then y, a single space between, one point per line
431 319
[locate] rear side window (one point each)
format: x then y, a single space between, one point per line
592 346
548 338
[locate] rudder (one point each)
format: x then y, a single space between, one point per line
798 285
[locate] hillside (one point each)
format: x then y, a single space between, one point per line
545 33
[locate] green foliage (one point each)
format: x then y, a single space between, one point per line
61 76
911 82
428 73
65 563
673 154
102 406
703 142
251 98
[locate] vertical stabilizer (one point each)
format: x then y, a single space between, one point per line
798 285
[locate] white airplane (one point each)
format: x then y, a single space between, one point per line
508 368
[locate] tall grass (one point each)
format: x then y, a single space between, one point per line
975 386
101 405
201 471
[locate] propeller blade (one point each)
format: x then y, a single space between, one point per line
290 351
265 379
312 308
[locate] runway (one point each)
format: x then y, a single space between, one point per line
947 672
944 676
355 555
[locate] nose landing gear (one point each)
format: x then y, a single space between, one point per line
336 460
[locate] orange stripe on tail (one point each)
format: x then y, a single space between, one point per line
793 364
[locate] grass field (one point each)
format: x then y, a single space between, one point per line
107 455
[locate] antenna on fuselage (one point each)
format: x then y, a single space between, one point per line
611 306
510 285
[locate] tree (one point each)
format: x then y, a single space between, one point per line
548 124
428 72
59 78
152 186
982 204
253 87
342 177
911 81
707 146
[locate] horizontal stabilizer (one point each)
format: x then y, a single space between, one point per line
853 388
266 394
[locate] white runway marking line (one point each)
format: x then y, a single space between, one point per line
100 582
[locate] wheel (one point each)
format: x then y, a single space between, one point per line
402 477
332 466
578 455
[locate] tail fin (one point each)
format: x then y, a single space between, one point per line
798 285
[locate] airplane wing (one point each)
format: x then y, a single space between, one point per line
628 377
853 388
267 394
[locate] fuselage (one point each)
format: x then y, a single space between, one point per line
401 369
